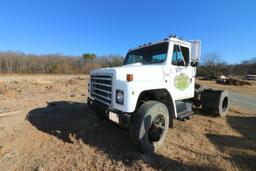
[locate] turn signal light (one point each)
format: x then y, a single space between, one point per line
129 77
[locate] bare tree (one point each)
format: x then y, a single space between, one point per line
211 59
212 65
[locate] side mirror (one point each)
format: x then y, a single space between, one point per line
195 52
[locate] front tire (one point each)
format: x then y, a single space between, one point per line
150 126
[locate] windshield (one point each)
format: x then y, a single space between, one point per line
148 55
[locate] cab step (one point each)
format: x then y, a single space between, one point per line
184 110
185 115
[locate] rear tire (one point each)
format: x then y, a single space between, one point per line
215 102
150 126
197 100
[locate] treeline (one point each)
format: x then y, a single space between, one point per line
213 66
21 63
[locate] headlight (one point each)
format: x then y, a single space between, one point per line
119 97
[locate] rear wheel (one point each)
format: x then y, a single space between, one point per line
215 102
197 100
150 126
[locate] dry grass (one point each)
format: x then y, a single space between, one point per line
65 135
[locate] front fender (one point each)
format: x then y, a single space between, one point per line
132 91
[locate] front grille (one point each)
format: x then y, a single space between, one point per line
101 88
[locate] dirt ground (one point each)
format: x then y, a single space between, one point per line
45 124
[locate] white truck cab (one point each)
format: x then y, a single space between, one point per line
155 84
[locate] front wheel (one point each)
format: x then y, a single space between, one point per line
150 126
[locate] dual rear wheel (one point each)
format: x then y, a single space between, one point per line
215 102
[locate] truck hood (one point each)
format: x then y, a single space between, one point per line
140 72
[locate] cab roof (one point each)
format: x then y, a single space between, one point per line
171 38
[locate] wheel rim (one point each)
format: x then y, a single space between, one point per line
157 128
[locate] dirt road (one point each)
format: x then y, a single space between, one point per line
45 124
243 101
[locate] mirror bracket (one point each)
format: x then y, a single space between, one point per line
194 63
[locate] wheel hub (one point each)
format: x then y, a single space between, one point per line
157 128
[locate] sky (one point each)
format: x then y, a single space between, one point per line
74 27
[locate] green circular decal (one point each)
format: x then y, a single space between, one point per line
181 81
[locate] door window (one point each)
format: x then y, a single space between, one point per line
180 56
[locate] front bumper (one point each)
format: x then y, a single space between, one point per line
103 111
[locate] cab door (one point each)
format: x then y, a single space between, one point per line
182 77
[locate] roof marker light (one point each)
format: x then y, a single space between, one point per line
173 35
